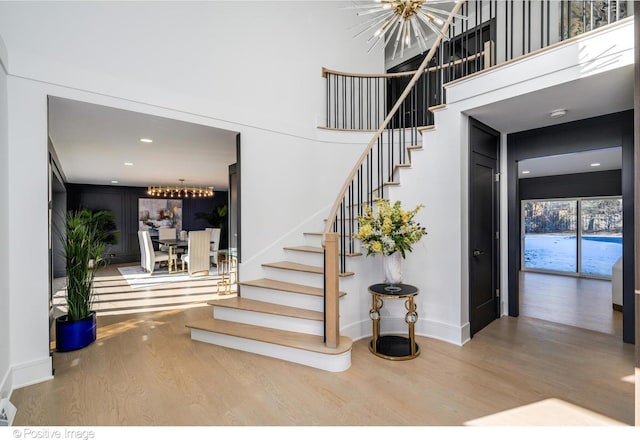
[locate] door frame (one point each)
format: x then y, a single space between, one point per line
595 133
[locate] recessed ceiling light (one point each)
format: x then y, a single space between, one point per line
526 172
595 164
558 113
129 164
146 140
114 181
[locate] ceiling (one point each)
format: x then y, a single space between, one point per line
587 161
93 143
595 95
583 98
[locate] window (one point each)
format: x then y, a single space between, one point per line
579 236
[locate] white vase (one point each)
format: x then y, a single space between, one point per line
392 267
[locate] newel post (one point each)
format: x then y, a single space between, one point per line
331 287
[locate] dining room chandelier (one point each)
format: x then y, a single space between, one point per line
403 21
180 191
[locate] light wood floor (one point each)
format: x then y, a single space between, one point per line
579 302
145 370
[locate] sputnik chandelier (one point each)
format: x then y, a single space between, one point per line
180 191
399 20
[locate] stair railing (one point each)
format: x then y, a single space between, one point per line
358 102
365 183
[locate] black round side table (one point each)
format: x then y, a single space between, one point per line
394 347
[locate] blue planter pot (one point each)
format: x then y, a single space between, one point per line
73 335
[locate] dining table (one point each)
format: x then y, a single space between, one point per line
172 245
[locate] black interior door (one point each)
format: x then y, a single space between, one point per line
484 298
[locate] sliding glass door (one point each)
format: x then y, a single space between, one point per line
601 235
572 236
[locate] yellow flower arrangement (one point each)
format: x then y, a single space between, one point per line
390 229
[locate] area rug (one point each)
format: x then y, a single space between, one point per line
137 278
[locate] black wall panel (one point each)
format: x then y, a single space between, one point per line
123 201
594 184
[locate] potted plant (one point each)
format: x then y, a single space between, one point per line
106 229
83 247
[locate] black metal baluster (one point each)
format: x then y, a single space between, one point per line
353 103
361 100
328 103
369 106
335 91
344 102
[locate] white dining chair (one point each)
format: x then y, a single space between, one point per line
197 256
171 234
143 250
164 234
152 256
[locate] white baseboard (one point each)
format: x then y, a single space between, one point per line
31 372
424 327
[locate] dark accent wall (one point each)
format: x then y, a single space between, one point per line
594 184
606 131
123 201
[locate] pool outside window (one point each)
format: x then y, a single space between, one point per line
573 236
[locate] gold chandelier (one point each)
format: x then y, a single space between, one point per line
403 21
180 191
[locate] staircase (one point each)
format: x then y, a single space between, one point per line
280 316
283 314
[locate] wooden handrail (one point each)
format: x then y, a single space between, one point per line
326 71
336 205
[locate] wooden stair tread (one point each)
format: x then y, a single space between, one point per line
312 249
318 249
434 108
426 127
290 265
316 233
265 307
267 283
295 340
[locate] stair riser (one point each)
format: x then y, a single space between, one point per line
332 363
293 276
308 302
271 321
313 240
309 258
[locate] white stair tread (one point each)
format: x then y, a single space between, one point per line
295 340
267 283
269 308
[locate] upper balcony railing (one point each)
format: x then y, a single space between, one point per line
494 32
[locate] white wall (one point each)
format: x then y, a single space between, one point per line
251 67
440 264
5 379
